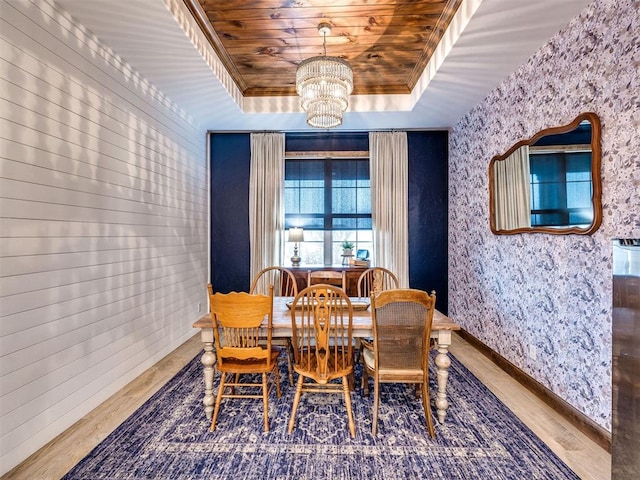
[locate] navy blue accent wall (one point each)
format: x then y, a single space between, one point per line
428 214
230 163
428 200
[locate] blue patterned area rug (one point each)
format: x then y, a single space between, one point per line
168 438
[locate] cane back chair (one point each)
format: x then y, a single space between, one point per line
402 322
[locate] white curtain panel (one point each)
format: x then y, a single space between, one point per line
512 191
266 201
388 159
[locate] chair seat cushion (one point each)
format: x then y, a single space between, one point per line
369 361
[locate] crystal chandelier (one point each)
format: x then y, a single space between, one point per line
324 85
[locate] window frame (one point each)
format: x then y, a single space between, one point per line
328 216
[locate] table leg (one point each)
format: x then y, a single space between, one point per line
443 363
208 360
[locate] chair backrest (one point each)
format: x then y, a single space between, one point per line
329 277
237 322
283 281
402 322
376 279
322 324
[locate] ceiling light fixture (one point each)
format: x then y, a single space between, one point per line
324 85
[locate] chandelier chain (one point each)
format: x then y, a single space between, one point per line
324 42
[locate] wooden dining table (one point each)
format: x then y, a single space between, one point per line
362 328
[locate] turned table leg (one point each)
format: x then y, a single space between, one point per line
443 362
208 360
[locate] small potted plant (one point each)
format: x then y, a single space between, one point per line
347 247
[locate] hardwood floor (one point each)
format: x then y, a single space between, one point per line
584 456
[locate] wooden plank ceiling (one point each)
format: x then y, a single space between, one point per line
261 42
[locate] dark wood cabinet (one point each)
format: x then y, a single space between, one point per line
352 274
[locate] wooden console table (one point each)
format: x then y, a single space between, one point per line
352 274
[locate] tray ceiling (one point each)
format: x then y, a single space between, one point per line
486 40
388 43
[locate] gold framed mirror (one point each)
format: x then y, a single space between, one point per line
549 183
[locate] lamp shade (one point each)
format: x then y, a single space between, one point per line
296 234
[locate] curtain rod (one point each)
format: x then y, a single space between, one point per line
444 129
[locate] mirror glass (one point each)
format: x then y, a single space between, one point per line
549 183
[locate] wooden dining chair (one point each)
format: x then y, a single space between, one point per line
402 322
283 281
237 321
328 277
322 323
376 279
284 285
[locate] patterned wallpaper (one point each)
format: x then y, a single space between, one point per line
550 291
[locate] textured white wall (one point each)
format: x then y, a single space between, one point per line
553 292
103 211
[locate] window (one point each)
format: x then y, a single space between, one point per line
331 199
561 188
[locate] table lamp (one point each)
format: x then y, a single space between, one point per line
296 235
